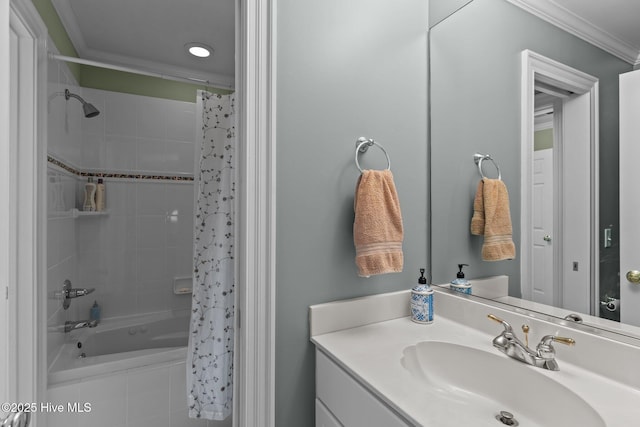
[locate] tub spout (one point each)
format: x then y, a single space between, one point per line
71 325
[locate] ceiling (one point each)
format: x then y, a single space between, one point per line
151 34
609 24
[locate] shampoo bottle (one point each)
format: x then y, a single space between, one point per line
460 284
100 196
95 311
421 303
89 196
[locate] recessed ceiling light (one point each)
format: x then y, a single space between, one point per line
200 50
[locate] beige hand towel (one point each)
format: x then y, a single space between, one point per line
477 220
492 218
377 228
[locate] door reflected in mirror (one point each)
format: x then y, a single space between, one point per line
558 188
563 191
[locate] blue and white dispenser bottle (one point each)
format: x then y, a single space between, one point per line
422 301
460 284
95 312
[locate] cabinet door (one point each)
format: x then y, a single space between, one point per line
324 418
351 403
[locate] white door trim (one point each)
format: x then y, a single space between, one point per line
255 380
5 224
558 194
537 67
255 77
27 202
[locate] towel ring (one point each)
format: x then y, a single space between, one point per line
478 158
363 144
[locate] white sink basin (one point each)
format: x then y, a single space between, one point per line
474 386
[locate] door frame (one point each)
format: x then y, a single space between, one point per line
536 67
255 65
25 175
5 223
254 395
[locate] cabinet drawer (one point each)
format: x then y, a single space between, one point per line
351 403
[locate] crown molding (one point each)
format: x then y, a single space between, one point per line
579 27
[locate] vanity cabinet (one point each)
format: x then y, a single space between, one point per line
341 401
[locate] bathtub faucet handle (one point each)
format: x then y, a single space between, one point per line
68 293
78 292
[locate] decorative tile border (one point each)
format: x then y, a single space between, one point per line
58 163
141 176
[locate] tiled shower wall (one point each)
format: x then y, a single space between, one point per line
64 142
132 255
138 133
62 258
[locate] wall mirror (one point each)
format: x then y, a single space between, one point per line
476 66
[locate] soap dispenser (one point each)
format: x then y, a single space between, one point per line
421 303
460 284
95 312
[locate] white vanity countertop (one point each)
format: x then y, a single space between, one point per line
373 354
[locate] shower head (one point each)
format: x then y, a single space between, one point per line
88 108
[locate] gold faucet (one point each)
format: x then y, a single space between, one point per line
542 357
525 329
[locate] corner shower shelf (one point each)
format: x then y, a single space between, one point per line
76 213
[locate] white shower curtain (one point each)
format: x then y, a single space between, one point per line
210 352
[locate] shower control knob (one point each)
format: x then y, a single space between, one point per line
77 292
633 276
68 293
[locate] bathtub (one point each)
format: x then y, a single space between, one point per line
121 344
132 373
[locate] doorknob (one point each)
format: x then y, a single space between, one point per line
547 238
633 276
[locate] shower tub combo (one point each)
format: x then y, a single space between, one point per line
131 370
120 344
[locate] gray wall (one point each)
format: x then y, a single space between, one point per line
475 87
344 70
440 9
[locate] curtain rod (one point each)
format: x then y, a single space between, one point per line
92 63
